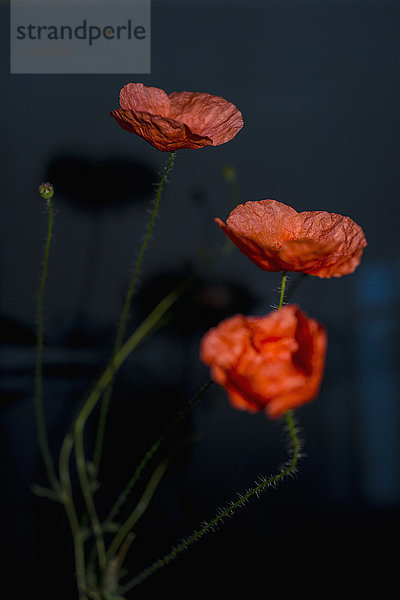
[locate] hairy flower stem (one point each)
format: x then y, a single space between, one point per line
78 426
283 286
86 486
40 419
125 530
228 511
125 313
67 500
64 494
150 453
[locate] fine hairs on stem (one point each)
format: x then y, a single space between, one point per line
111 558
283 286
40 419
286 470
150 453
125 312
79 424
75 435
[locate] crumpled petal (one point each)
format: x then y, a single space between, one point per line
273 363
161 132
181 120
275 237
305 255
209 116
136 96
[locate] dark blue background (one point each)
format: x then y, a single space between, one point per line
318 85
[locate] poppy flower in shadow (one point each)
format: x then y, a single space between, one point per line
273 363
205 302
178 120
277 238
94 185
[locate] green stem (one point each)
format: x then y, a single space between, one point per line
150 453
228 511
283 286
40 419
85 486
125 313
67 500
140 508
133 341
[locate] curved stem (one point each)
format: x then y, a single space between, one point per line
125 313
43 440
86 488
150 453
66 498
141 332
135 515
138 511
228 511
133 341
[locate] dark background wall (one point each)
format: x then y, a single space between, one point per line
318 85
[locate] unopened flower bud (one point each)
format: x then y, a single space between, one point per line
46 190
229 172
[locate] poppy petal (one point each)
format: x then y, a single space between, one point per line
181 120
273 363
207 115
136 96
275 237
161 132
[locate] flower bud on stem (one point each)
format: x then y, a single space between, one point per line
46 191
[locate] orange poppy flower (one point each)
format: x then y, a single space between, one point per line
178 120
278 238
273 363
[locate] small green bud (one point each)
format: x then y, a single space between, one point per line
229 172
46 190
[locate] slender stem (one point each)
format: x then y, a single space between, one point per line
228 511
141 332
133 341
40 419
67 500
86 488
150 453
125 313
283 286
138 511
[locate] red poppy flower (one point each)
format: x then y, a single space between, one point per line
178 120
277 238
273 363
